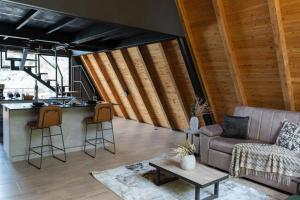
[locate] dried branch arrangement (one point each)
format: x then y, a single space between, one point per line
184 150
199 107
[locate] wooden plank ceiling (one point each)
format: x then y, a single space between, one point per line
150 83
247 52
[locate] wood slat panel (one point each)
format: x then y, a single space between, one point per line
103 83
171 71
290 11
229 50
145 106
166 87
148 86
282 54
110 84
180 73
150 83
106 60
203 34
249 23
96 80
149 69
133 96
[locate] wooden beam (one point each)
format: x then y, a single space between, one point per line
229 50
124 86
95 79
139 86
110 84
147 62
196 56
170 69
282 54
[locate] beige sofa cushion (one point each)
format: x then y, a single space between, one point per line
226 144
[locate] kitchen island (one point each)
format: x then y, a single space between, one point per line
16 133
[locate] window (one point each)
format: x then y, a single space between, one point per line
20 81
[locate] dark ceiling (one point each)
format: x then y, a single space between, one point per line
25 26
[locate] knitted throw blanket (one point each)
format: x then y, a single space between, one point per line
271 162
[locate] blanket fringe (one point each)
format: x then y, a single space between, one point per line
279 178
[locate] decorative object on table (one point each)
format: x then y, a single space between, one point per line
270 162
10 95
186 154
17 94
28 97
136 181
289 136
235 127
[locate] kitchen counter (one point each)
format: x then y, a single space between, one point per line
16 133
26 106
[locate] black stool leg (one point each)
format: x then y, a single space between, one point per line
61 149
29 148
95 150
93 144
113 135
63 143
38 153
51 145
113 138
86 129
41 159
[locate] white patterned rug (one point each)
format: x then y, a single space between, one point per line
135 182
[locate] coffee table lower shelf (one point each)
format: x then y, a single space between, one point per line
175 177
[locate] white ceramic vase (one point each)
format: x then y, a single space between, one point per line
188 162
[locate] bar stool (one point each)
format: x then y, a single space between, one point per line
102 113
48 117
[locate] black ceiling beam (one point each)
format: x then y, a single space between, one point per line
26 33
124 34
94 33
29 15
61 23
144 39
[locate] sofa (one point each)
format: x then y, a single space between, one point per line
264 125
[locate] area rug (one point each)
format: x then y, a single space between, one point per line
136 182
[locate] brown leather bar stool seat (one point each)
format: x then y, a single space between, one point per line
102 114
49 116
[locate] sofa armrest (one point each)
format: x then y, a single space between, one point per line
212 130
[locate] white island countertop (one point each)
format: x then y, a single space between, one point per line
26 106
16 132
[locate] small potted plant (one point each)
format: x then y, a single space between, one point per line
186 154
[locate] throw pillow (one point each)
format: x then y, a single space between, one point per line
235 127
289 136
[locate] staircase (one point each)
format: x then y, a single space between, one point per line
32 66
82 82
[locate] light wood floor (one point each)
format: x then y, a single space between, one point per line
71 180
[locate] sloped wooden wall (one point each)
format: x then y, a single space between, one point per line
247 52
150 83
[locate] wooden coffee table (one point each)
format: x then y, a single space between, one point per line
202 176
